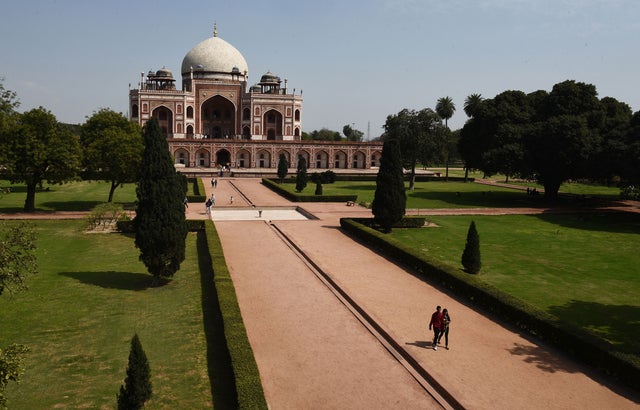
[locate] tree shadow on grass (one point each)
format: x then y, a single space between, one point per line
74 206
611 221
112 279
479 199
221 376
617 323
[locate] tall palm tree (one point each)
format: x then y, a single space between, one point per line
471 107
471 104
445 109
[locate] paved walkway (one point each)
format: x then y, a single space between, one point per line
312 353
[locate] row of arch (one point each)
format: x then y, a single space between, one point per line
218 120
263 158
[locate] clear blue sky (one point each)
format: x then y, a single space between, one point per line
356 61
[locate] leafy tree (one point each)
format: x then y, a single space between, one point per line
564 141
113 148
389 201
610 161
352 134
471 254
418 134
630 171
137 388
160 223
472 104
283 167
301 174
11 368
445 109
325 134
509 120
17 246
8 105
318 187
39 149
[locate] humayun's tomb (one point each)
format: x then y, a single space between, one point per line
215 119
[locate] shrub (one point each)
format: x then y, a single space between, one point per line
105 215
318 188
137 387
471 254
630 192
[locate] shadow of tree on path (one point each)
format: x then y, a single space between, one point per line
542 358
112 279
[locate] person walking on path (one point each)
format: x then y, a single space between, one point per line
207 209
436 324
185 201
213 199
446 320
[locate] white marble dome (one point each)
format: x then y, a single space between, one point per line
214 58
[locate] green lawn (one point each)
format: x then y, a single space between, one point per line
80 312
581 268
436 194
74 196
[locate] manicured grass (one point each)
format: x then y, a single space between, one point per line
81 310
73 196
580 268
436 194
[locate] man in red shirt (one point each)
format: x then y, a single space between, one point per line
436 323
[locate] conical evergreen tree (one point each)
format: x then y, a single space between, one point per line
160 223
301 174
137 387
283 167
471 254
389 201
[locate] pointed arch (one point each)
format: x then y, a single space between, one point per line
217 116
165 119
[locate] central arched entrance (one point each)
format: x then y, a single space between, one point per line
223 158
218 118
165 120
272 121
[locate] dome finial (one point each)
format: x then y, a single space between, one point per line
215 31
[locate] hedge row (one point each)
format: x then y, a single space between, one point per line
585 346
245 369
199 192
126 226
293 197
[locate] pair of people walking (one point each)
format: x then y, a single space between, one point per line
210 202
440 321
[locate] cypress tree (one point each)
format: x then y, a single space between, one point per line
471 254
389 201
137 387
160 223
301 174
283 167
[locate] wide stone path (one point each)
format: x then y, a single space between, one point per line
312 353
